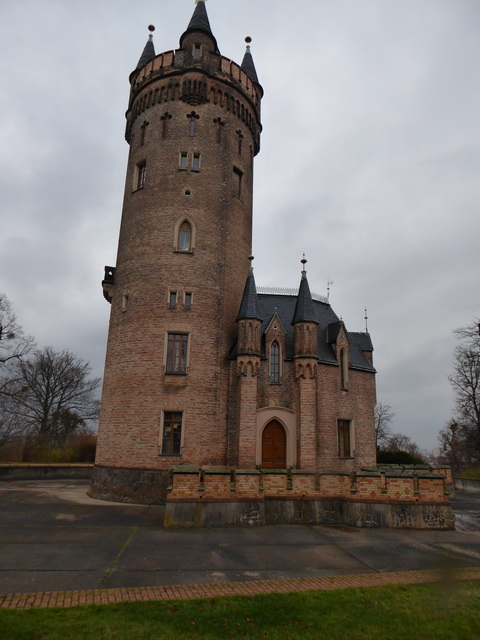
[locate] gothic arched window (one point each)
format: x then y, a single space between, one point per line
275 362
184 242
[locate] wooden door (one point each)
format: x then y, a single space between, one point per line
274 446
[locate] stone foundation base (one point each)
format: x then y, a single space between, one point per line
139 486
298 511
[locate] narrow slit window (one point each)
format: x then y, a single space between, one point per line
197 51
172 299
188 301
238 179
141 175
183 161
196 162
275 362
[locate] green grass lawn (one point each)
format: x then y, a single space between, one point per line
394 612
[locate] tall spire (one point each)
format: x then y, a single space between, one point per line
304 309
200 22
250 309
247 64
148 52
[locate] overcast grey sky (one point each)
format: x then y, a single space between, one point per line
370 165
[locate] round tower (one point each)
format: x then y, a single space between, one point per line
193 126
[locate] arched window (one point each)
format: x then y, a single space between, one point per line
275 362
184 237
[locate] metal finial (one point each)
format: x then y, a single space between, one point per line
366 321
250 269
151 27
329 282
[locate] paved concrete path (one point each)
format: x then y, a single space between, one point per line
53 538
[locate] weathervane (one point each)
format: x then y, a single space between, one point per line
329 282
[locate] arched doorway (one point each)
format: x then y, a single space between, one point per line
274 446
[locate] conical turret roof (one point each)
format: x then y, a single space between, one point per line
304 309
147 55
200 22
250 308
248 65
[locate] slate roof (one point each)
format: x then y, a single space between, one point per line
249 309
147 55
249 66
285 305
304 310
200 22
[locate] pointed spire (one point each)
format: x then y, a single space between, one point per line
148 52
200 22
247 64
250 308
304 309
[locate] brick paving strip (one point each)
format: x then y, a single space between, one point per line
196 591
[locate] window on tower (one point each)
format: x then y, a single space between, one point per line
172 299
184 242
197 51
238 179
172 433
188 301
196 162
183 161
140 175
177 348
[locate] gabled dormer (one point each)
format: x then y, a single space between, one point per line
337 336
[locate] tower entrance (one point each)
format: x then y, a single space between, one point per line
274 446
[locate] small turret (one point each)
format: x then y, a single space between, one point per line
248 65
200 23
147 54
305 321
249 318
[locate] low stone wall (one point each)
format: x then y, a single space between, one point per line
470 485
45 471
136 486
381 498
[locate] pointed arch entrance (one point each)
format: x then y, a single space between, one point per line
274 446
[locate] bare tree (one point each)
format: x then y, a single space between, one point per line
465 381
400 442
383 416
57 393
14 344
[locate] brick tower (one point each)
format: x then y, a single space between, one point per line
193 126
